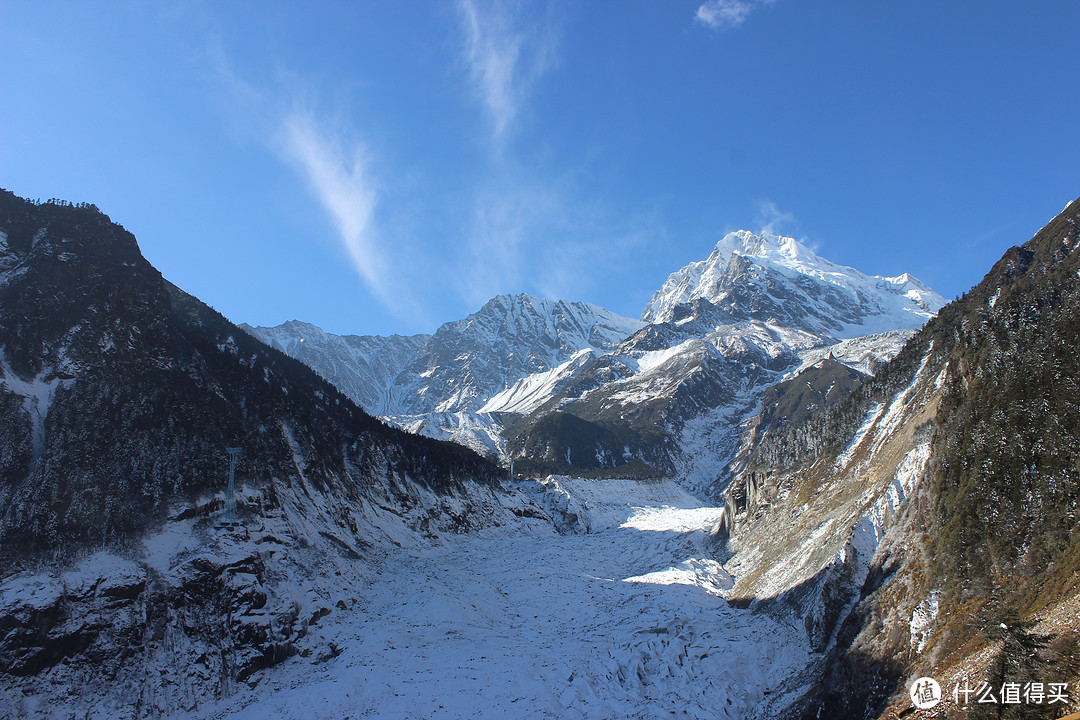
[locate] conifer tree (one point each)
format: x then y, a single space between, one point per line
1022 660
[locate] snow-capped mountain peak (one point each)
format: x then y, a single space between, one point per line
777 248
571 325
915 290
765 276
511 336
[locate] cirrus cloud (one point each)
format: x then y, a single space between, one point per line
335 165
336 172
505 55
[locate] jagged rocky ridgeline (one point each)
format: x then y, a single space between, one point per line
448 385
572 388
118 395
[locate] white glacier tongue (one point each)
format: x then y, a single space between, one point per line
629 620
762 276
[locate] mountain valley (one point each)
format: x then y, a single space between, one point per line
786 491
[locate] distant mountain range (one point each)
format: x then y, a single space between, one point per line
570 387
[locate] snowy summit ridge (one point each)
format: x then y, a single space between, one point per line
761 275
444 385
718 333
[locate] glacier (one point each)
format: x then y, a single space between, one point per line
625 616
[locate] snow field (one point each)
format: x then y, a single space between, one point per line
628 620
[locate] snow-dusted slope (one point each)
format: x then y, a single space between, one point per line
508 357
762 276
469 361
865 354
532 391
623 616
480 431
363 367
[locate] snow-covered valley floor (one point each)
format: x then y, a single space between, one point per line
625 621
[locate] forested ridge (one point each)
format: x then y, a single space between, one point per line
121 392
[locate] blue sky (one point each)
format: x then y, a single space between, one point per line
384 167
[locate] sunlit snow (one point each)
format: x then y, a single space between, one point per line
626 621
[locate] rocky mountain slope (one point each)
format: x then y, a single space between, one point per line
126 590
672 398
934 505
364 367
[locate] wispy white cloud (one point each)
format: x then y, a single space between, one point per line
543 236
335 167
277 111
519 227
504 59
774 221
501 231
727 14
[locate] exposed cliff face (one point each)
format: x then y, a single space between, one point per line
937 496
785 407
118 395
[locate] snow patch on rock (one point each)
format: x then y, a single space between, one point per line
37 395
